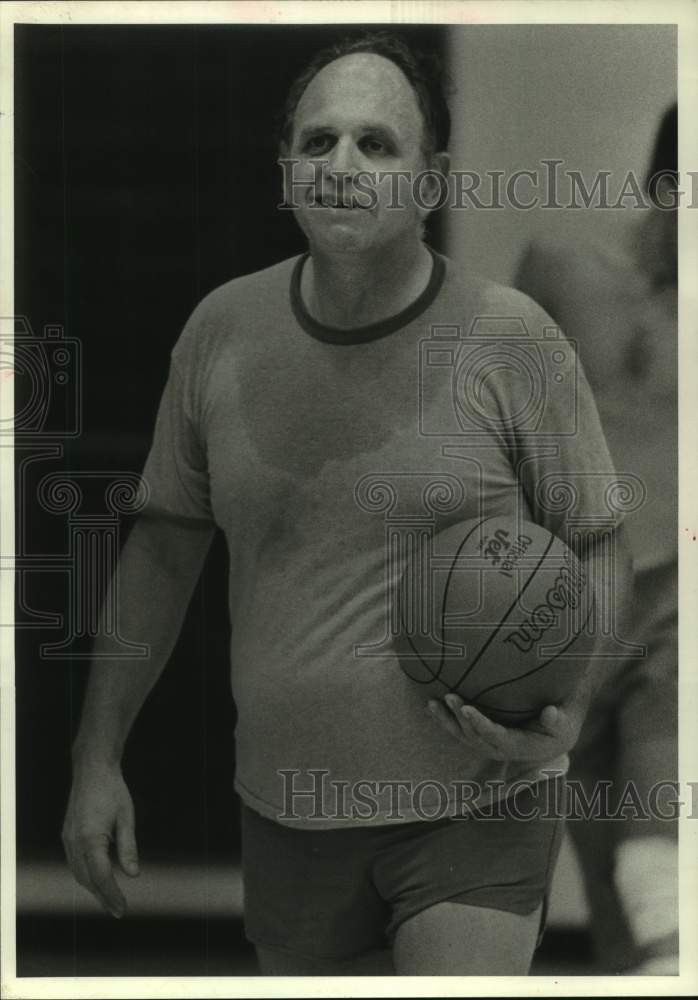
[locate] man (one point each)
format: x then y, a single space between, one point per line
287 389
619 304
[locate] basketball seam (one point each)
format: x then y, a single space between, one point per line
512 680
511 607
528 673
445 594
433 676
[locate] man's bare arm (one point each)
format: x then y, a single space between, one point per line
157 573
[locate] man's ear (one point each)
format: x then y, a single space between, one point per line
283 153
438 163
441 162
286 172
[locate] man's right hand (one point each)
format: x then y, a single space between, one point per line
162 558
100 812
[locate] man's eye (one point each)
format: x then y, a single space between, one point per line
373 145
318 144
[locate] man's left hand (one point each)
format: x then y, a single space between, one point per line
553 733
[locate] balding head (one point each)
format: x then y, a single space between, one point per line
422 72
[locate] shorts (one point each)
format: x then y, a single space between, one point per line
336 894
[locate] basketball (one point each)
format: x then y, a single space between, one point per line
494 610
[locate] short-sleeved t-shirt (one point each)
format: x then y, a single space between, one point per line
310 447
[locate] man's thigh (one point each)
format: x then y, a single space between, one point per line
454 939
447 939
273 962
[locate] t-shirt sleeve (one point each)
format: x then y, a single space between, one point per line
176 470
549 422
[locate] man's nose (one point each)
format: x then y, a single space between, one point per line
345 158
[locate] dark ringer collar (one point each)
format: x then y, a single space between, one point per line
373 331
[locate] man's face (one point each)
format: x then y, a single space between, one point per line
359 114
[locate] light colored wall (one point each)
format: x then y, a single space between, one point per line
590 95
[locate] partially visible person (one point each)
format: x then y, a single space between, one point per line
619 303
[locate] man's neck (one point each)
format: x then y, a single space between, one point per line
352 290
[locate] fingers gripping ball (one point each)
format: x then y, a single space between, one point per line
498 612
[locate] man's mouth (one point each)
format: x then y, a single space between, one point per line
338 204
